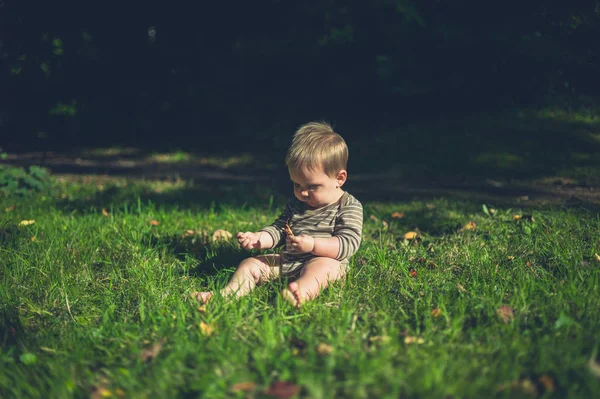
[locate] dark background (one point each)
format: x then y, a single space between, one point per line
245 74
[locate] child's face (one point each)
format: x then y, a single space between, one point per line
315 188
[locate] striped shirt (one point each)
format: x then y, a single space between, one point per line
342 219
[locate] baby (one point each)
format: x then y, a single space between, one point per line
321 226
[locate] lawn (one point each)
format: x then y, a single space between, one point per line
447 297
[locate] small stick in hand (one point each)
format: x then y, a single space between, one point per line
287 230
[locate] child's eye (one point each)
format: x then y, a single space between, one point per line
296 185
313 187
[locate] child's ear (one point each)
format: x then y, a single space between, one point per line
341 177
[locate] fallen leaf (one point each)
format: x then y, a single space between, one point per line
528 218
524 385
10 208
206 329
430 206
201 309
385 224
594 366
547 382
413 273
437 312
529 264
26 222
432 265
597 257
409 340
100 392
188 233
154 222
324 349
506 313
221 235
510 258
32 239
524 198
246 386
397 215
460 287
105 212
283 390
410 235
150 353
469 226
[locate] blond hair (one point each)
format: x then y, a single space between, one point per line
315 145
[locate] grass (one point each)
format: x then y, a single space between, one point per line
95 304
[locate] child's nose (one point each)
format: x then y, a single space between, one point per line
304 193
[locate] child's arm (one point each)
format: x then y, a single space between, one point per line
273 234
347 230
346 235
259 240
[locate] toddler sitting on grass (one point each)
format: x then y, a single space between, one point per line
321 226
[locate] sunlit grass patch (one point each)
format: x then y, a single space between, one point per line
95 300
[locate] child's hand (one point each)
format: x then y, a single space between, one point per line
302 243
249 240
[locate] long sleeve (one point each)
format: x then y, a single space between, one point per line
275 228
348 228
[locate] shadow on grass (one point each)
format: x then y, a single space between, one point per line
210 257
546 155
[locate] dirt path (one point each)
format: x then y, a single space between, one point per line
134 165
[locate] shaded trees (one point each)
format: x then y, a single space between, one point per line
89 72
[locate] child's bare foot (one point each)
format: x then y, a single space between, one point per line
202 297
292 295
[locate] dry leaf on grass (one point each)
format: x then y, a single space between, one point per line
547 382
411 235
594 366
397 215
207 329
151 352
10 208
460 287
283 390
437 312
154 222
413 273
201 309
188 233
531 386
430 206
26 222
597 257
524 385
409 340
469 226
506 313
324 349
105 212
246 386
221 235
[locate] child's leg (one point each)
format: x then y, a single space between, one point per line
315 276
250 272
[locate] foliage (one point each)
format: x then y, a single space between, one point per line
281 60
19 181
